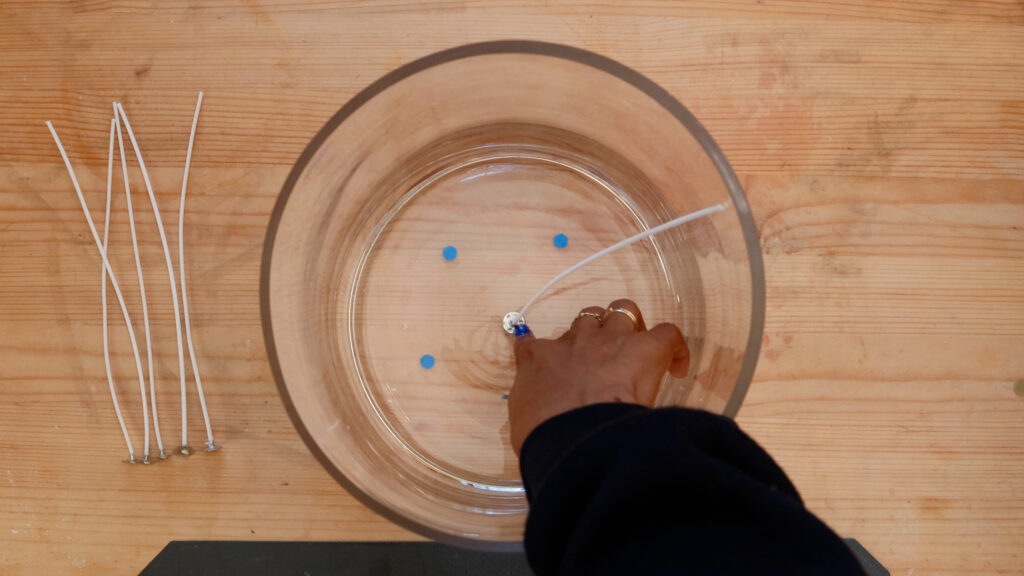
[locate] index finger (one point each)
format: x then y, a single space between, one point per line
523 336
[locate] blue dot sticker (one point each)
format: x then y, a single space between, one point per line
561 241
427 361
449 253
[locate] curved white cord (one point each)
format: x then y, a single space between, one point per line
103 273
170 270
645 234
142 286
181 272
110 272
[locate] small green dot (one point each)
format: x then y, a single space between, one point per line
504 396
1018 387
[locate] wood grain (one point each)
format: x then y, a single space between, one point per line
881 145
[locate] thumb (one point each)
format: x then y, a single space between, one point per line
673 347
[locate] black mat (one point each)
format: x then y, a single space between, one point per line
219 558
330 558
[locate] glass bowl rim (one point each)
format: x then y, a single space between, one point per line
565 52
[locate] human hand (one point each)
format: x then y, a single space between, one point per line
603 357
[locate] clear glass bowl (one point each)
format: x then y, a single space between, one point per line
388 349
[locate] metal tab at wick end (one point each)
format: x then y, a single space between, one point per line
510 321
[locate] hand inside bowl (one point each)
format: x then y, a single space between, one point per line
607 355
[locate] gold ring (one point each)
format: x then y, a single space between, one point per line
600 317
636 323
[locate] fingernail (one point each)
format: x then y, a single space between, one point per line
521 330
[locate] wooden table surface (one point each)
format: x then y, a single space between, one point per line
881 144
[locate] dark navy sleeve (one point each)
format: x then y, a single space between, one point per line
625 489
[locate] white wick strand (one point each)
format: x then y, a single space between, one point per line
170 271
103 271
142 286
181 272
645 234
110 273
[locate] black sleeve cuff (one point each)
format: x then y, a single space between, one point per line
621 488
557 436
715 435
